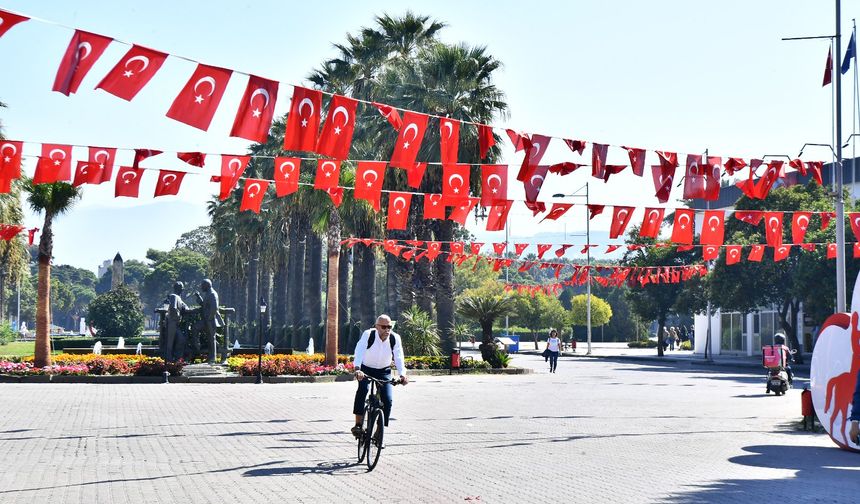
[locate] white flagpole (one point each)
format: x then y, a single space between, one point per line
855 116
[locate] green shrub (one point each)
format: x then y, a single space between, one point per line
419 333
500 359
117 313
642 344
7 335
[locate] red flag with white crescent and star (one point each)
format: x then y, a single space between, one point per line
87 173
168 183
598 160
756 253
694 178
328 174
815 168
535 150
854 219
336 137
651 223
497 217
104 158
713 228
594 210
520 140
773 228
286 175
734 164
486 139
253 194
8 20
398 209
369 176
449 140
534 183
128 181
780 253
133 72
557 210
409 140
336 195
733 254
461 211
390 114
637 160
682 228
577 146
196 103
799 226
415 174
710 252
55 164
663 178
831 251
254 117
232 167
433 207
10 158
197 159
825 219
749 216
141 154
303 121
494 184
620 218
81 54
455 183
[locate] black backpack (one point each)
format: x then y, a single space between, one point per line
372 339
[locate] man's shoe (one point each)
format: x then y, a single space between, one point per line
356 430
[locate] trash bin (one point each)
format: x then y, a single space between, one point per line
515 347
455 359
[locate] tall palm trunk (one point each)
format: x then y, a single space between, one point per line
279 301
424 285
343 299
296 277
315 281
392 287
43 298
368 266
253 293
333 292
445 290
358 293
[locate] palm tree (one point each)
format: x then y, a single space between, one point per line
419 333
53 199
14 257
485 310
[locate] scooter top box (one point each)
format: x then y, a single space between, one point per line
771 356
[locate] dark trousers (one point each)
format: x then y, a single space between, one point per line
385 391
553 360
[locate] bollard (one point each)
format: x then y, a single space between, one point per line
166 376
455 359
806 408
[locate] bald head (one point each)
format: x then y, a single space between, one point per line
383 326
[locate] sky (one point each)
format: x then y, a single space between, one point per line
661 75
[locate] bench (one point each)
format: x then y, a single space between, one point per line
150 351
256 350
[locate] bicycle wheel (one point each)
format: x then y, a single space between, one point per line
362 438
374 439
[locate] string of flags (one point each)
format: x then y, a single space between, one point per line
9 231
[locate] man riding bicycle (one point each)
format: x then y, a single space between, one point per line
373 355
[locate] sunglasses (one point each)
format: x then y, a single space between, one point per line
383 326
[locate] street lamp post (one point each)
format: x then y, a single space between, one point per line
260 341
587 260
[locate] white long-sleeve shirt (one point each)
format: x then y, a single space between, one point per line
379 354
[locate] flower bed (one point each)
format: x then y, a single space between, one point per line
301 365
91 364
443 363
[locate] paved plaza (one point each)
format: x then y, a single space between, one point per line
599 430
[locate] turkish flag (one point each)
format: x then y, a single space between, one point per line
733 254
8 20
756 253
557 210
575 145
694 179
141 154
520 140
564 168
168 183
598 160
713 227
232 167
486 139
254 117
398 209
128 181
328 174
663 177
542 248
856 248
749 216
799 226
682 229
620 217
494 184
710 252
390 114
461 211
780 253
535 150
497 217
475 247
82 53
831 251
369 177
336 136
651 223
455 183
534 183
449 140
252 196
303 121
519 248
87 173
10 155
336 195
815 168
712 177
595 210
773 228
637 160
433 207
409 140
825 219
734 164
103 157
196 103
415 174
133 72
807 247
536 207
668 159
55 164
854 219
286 175
193 158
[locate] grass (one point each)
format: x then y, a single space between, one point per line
18 348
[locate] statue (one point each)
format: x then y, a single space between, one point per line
211 317
174 336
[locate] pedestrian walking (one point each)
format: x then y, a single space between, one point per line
683 334
553 347
665 340
673 337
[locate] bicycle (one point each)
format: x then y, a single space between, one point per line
373 424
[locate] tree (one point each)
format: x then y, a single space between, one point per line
198 240
169 267
117 313
601 312
540 311
419 333
485 310
52 199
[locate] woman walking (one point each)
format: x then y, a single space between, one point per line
553 346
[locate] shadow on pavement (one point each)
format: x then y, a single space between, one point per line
330 468
828 473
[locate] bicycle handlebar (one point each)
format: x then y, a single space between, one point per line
392 381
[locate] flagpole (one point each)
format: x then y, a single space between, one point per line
840 202
855 114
